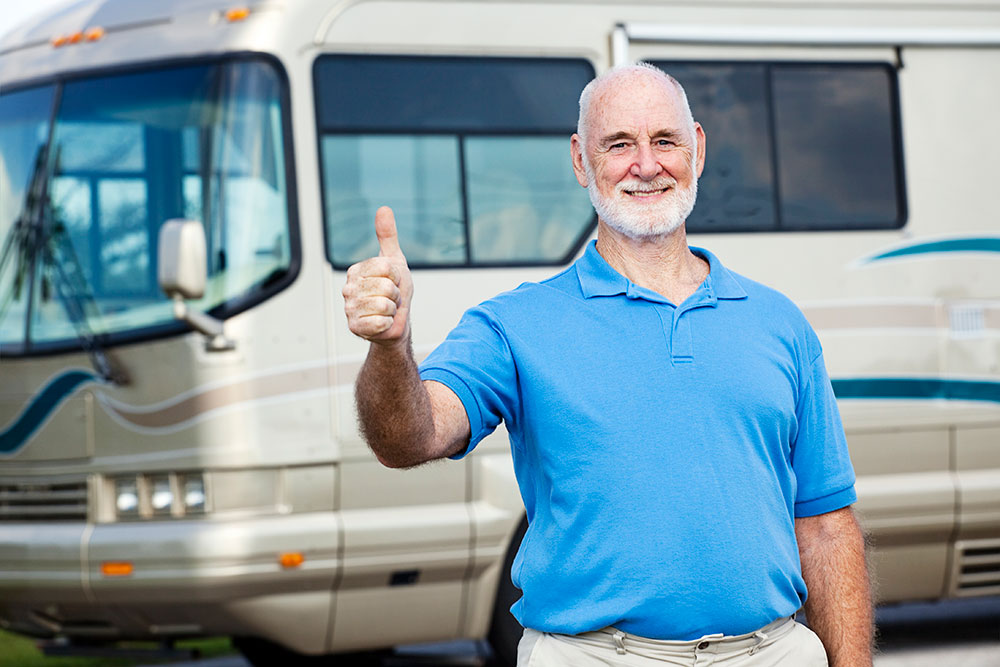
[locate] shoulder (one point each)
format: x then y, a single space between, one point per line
530 297
779 314
768 298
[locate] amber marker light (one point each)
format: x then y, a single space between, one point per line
291 559
59 41
114 568
94 34
75 38
237 14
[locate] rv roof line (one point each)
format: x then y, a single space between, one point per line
810 36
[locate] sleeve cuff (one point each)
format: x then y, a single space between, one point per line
828 503
457 385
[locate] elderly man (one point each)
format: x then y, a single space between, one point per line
674 433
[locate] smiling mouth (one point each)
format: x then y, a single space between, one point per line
646 193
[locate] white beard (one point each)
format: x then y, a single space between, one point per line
637 219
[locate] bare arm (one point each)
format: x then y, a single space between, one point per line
405 421
839 606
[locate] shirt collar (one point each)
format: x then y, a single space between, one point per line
598 278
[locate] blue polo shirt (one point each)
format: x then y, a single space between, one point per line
662 452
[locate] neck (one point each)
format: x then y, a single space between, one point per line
664 264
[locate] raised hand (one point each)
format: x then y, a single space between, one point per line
379 290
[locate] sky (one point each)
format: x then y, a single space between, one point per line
15 12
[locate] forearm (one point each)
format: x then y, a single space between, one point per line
839 605
393 406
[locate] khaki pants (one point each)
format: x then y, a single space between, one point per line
782 643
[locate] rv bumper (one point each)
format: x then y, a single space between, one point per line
174 578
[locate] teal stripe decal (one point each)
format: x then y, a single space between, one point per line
44 404
59 388
972 244
918 388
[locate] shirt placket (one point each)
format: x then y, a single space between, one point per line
675 321
681 348
681 335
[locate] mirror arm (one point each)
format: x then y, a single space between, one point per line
203 323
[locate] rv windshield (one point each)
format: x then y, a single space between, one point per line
83 200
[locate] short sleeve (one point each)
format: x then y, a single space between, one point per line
476 363
820 459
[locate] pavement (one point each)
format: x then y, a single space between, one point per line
956 633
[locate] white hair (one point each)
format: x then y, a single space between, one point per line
630 69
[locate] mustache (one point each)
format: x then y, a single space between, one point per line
660 183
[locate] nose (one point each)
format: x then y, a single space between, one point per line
646 166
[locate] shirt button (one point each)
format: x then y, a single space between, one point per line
702 646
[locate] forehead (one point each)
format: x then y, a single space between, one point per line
636 102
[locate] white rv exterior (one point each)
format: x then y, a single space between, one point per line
224 489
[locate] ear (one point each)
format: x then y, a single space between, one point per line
700 138
576 153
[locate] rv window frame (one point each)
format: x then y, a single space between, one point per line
578 243
896 119
228 308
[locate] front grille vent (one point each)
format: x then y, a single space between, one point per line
979 568
51 500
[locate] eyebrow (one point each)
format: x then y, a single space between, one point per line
667 134
612 138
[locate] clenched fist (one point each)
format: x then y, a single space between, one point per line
378 290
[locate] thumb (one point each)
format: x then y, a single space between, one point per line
385 230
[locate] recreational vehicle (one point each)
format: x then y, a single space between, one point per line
184 183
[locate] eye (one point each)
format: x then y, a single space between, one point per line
664 142
618 147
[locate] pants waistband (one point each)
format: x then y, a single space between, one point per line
624 642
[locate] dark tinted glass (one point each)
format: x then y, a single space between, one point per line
795 146
736 190
453 94
836 161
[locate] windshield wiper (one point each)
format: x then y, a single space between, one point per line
74 293
31 240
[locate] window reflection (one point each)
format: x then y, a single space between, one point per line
129 152
476 174
524 201
416 175
24 122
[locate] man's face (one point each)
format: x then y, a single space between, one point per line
641 160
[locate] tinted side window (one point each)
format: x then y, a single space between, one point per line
471 153
796 146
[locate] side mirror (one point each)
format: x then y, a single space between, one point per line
182 258
181 272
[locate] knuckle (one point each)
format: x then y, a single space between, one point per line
389 288
380 305
377 324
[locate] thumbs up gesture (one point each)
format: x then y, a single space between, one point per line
379 290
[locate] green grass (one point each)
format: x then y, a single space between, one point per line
18 651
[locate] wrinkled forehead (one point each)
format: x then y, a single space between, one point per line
636 100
